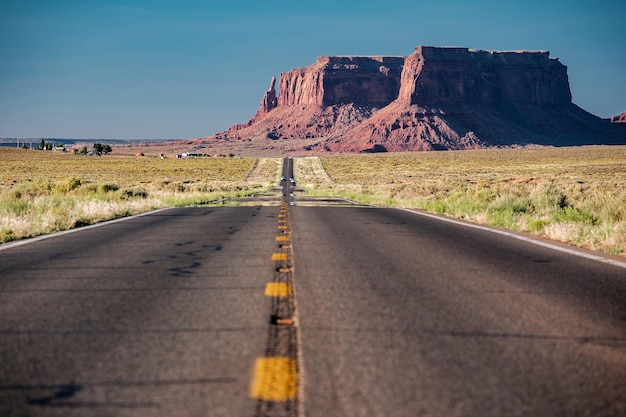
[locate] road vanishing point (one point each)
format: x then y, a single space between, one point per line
290 305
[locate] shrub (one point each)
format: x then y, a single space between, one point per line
107 188
6 235
536 225
67 185
574 215
133 193
17 208
550 197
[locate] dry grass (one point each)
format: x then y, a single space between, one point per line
19 165
310 172
576 195
41 192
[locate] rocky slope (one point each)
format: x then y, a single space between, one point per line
434 99
620 118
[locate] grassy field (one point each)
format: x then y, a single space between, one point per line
45 191
574 195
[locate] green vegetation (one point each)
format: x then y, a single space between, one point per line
42 192
575 195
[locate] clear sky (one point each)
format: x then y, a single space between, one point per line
190 68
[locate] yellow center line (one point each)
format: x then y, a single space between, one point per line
277 289
280 257
274 379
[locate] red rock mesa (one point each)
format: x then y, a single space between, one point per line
434 99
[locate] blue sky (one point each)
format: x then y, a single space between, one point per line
190 68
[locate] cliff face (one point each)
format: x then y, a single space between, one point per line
370 81
449 76
436 98
269 101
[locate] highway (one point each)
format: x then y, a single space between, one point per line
304 306
161 315
403 315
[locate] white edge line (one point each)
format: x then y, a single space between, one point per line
570 251
23 242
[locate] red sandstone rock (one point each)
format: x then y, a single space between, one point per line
436 98
270 101
400 127
620 118
449 76
370 81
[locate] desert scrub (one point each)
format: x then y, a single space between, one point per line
310 171
21 165
576 195
265 171
31 209
209 194
41 192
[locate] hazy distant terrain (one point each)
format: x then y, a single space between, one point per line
76 141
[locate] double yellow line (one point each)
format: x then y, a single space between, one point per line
276 375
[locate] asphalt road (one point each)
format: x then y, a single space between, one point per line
403 315
391 314
161 315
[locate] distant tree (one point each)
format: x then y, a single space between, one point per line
99 148
42 145
84 151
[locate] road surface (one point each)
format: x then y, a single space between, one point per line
403 315
161 315
308 307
